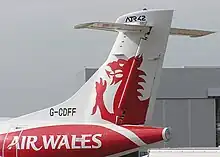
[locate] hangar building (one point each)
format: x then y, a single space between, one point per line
188 100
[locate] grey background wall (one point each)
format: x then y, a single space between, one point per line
183 103
192 122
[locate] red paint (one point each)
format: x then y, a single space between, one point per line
126 101
147 134
110 141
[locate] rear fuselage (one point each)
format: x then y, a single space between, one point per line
76 140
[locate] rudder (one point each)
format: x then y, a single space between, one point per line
139 95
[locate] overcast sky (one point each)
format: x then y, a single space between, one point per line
42 56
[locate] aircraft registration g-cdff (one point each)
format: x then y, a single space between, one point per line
106 116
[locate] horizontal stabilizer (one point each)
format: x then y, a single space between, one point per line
190 32
115 27
108 26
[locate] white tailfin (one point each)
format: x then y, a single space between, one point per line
123 90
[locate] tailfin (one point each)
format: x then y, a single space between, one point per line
123 90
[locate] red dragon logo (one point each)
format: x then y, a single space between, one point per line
127 107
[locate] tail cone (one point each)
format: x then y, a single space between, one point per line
150 134
167 134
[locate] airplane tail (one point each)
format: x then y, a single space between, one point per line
123 90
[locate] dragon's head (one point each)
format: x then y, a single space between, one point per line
116 70
122 67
